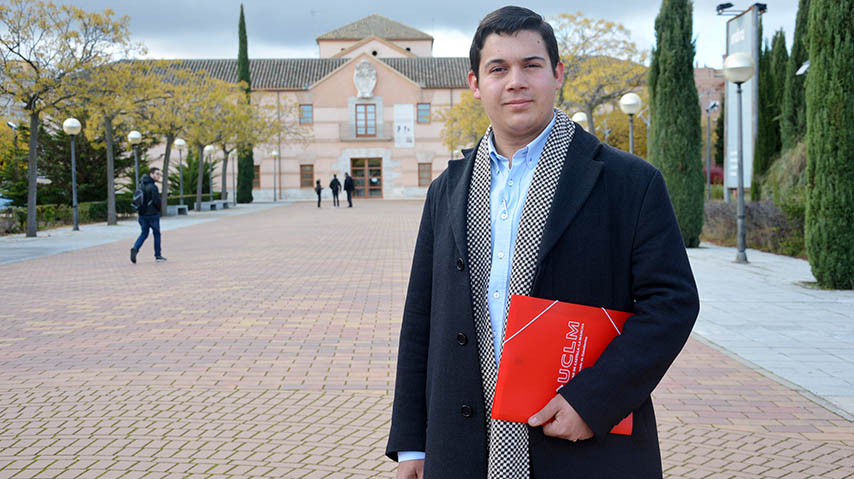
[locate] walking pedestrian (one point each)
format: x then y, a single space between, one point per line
149 214
318 189
335 185
349 187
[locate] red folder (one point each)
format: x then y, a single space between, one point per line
546 343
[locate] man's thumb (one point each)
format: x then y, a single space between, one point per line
544 415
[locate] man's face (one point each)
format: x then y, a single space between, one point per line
157 175
516 84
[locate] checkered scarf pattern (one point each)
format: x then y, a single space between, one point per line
508 441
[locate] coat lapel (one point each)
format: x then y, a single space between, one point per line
577 180
459 178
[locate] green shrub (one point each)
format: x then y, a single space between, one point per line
768 227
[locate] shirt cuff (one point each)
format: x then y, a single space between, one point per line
410 455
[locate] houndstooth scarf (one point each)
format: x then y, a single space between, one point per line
508 441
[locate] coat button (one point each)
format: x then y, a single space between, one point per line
460 264
466 410
462 339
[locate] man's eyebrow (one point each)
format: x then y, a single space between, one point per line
526 59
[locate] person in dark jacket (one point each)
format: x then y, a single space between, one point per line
335 185
539 208
349 187
318 189
149 214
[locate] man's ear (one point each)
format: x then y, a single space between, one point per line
559 74
473 84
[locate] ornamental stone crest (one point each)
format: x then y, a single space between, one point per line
365 79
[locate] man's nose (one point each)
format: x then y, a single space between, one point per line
516 79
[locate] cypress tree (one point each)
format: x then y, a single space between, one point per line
676 138
245 160
768 136
719 135
779 59
830 143
793 119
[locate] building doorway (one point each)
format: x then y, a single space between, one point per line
367 176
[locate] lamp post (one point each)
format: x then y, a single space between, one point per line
234 179
71 127
631 103
580 117
134 137
275 154
738 68
713 107
209 151
180 144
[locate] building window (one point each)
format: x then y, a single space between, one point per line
423 113
306 176
366 120
425 174
256 181
306 114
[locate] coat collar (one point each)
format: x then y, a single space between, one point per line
580 172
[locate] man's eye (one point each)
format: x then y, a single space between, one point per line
496 70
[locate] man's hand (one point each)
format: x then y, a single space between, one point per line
411 469
567 424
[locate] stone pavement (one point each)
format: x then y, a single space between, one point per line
265 347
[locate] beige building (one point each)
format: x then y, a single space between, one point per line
369 102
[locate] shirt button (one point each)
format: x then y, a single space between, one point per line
460 264
496 295
501 254
510 182
503 216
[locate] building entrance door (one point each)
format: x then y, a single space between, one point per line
367 176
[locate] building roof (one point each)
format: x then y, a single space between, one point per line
375 25
301 73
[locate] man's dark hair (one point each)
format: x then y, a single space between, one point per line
508 21
153 170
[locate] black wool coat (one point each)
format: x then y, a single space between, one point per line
611 240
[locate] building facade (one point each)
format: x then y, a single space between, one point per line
368 103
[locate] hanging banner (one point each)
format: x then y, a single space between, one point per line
404 126
742 35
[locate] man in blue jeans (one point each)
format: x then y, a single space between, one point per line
149 214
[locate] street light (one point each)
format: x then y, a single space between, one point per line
14 128
713 107
134 137
631 104
180 144
738 68
275 154
580 117
209 151
71 127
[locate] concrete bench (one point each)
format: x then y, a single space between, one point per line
212 205
173 210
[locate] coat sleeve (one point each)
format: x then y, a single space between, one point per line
666 305
409 411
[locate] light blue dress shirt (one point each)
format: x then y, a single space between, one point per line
508 189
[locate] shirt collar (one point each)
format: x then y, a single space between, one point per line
531 152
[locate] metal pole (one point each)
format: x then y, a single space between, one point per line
181 176
74 185
631 134
210 177
279 160
275 179
234 181
136 163
709 154
741 257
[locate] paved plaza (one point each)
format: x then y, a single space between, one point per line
265 347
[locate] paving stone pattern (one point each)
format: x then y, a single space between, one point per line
266 345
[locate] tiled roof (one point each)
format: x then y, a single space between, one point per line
375 25
300 73
431 72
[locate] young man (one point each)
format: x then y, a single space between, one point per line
149 214
335 185
349 187
539 208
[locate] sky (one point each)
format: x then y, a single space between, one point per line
288 28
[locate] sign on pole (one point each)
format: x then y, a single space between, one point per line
742 35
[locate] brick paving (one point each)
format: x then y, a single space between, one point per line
265 347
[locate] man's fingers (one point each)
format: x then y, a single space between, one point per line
546 414
410 469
